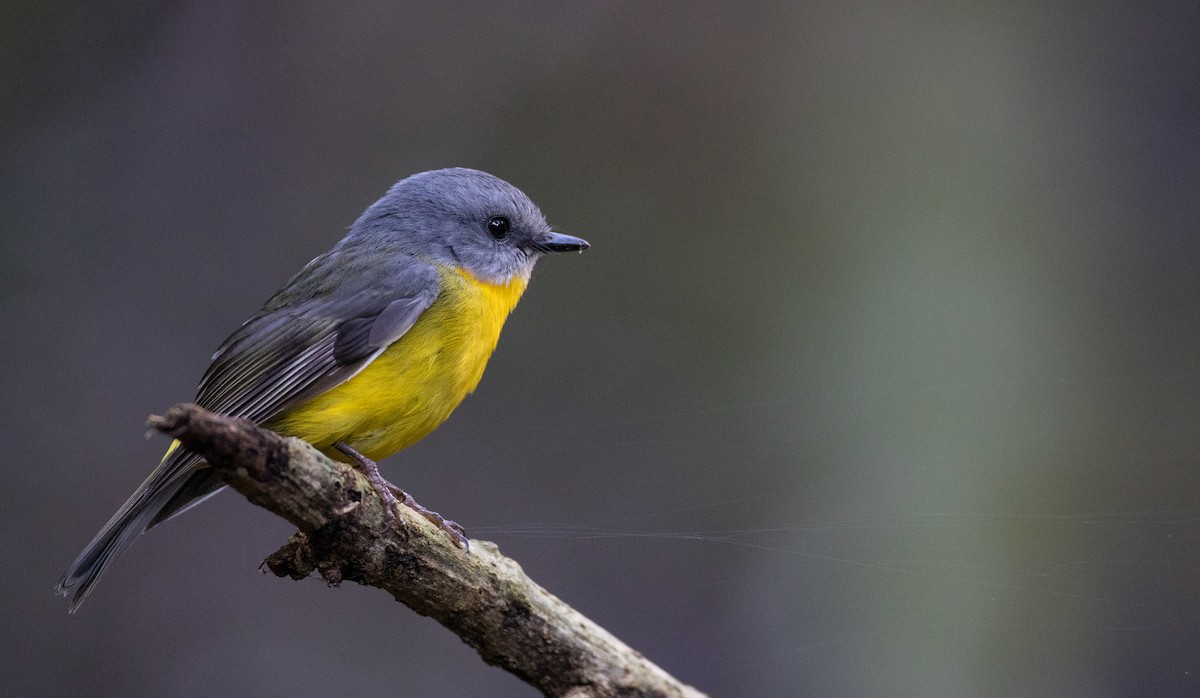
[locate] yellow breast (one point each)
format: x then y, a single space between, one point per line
414 385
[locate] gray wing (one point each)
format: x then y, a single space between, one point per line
318 331
312 335
284 355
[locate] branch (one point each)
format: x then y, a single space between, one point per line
481 596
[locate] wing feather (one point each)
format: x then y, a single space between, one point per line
289 351
325 325
280 357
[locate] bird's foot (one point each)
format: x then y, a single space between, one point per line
393 495
456 532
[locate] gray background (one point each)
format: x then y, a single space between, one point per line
880 379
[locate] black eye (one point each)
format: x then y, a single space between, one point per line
498 226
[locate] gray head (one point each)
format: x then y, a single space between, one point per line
463 218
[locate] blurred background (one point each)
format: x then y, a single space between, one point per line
881 377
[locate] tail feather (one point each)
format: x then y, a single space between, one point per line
179 479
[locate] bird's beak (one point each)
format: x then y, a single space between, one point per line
558 242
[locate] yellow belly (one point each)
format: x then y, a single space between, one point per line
414 385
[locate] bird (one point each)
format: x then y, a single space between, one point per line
366 350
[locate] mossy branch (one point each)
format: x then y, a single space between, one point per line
481 596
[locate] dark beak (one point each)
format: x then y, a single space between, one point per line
557 242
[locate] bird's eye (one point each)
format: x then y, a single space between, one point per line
498 227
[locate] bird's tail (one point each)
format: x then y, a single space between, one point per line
179 481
